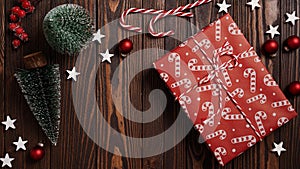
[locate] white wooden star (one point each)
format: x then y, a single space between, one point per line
223 6
106 56
73 74
6 161
254 4
292 17
278 148
273 31
9 123
98 36
20 144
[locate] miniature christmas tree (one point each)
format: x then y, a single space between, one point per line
67 28
40 84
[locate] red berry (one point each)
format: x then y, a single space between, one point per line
294 88
21 13
31 9
19 30
13 26
270 47
26 4
13 17
24 36
16 43
15 10
292 43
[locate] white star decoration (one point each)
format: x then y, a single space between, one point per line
273 31
98 36
278 148
223 6
20 144
254 4
9 123
292 17
6 161
106 56
73 74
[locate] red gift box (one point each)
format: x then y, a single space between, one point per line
225 89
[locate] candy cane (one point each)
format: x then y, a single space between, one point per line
261 97
234 30
218 30
259 116
220 133
227 116
219 152
208 106
257 60
249 138
227 78
268 80
183 101
175 57
237 92
282 121
186 82
199 127
225 49
192 67
250 73
165 77
204 42
183 44
280 104
247 54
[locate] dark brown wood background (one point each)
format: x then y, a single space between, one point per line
76 150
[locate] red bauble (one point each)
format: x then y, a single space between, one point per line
270 47
16 43
125 46
37 153
26 4
292 43
21 13
294 88
19 30
13 17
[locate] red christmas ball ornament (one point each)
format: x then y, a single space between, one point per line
13 17
294 88
26 4
125 46
38 152
270 47
16 43
19 30
21 13
15 10
292 43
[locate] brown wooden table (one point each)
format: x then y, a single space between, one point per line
76 150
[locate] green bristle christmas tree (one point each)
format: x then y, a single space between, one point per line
40 84
68 28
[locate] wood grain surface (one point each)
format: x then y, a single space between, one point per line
76 150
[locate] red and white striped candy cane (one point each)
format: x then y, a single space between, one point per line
208 106
251 73
186 82
237 92
282 121
259 116
193 67
219 152
221 133
268 81
249 138
227 116
160 14
199 127
164 76
175 57
261 97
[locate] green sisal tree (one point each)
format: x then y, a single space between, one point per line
68 28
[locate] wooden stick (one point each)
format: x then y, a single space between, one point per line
35 60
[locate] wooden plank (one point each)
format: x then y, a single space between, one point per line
2 68
75 149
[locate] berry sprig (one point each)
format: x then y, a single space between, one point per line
16 15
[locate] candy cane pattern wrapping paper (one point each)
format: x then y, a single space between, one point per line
252 104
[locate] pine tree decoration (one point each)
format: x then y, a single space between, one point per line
40 84
68 28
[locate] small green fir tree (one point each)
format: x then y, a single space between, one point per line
41 88
68 28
